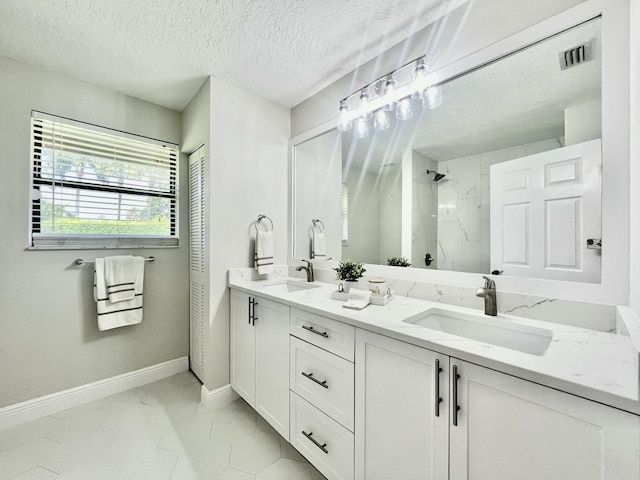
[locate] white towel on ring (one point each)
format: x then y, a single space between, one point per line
264 252
319 246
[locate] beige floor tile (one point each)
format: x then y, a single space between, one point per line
232 474
76 453
285 469
14 463
233 426
202 459
99 469
129 447
254 452
156 465
155 432
24 433
37 474
185 378
289 452
77 424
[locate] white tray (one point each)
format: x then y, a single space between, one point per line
375 299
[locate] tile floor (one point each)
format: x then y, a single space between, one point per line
155 432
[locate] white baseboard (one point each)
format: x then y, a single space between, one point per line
56 402
218 397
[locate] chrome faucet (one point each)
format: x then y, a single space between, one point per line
308 268
489 294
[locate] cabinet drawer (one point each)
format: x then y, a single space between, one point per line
323 379
336 337
321 440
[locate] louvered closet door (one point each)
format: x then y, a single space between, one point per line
197 260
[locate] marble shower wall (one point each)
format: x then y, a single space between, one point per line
463 205
424 211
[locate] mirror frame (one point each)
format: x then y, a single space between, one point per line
614 283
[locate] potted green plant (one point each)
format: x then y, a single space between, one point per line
349 272
398 262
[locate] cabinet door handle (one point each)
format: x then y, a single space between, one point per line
250 310
313 330
313 379
438 398
454 399
315 442
254 318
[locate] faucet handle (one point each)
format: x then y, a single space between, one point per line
309 264
488 282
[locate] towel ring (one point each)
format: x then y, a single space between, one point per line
261 217
315 222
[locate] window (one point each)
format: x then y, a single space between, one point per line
96 187
345 214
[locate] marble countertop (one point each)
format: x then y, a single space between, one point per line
600 366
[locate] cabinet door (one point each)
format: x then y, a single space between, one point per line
243 351
398 435
510 428
272 364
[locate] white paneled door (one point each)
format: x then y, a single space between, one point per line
544 208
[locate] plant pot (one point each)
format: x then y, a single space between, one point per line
347 284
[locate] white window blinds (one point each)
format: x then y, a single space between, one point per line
96 187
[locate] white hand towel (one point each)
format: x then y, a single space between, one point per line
358 299
319 246
264 252
121 274
113 315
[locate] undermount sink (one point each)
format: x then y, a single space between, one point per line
287 286
491 330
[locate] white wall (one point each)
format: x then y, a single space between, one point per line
247 150
634 16
390 197
583 122
49 340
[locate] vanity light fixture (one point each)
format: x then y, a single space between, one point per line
344 123
396 92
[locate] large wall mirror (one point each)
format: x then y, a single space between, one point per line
503 175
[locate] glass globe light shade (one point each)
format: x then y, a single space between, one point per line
380 120
404 110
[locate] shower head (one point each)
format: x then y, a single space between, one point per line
437 177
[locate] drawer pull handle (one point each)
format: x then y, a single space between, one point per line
313 330
454 394
313 379
315 442
438 398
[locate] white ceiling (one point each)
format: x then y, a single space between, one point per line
163 50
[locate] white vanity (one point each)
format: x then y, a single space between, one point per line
387 393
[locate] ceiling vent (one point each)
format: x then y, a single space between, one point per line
575 56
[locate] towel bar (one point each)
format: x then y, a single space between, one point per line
80 261
262 216
315 221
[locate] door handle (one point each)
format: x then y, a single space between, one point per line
454 396
436 389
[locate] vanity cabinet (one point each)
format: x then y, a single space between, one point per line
489 425
512 428
260 356
401 429
322 392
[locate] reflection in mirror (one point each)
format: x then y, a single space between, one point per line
503 174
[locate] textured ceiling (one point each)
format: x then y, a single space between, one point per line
516 100
162 50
